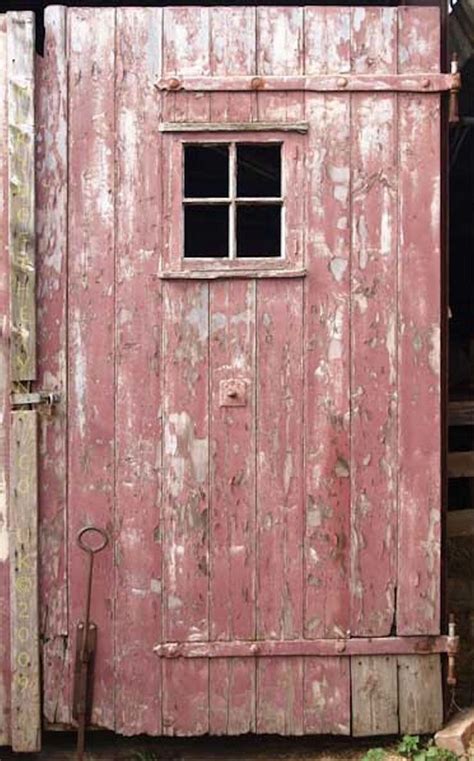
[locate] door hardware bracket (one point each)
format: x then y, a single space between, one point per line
34 398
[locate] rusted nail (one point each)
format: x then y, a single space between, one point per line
426 83
174 83
342 82
257 83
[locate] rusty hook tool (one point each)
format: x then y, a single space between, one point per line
86 638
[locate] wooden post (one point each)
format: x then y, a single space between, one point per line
25 691
23 519
20 34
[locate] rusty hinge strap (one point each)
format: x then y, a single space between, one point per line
417 82
318 647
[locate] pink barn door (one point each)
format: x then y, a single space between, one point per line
238 253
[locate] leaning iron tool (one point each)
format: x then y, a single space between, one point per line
86 638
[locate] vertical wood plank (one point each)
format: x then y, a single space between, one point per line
185 502
279 411
420 694
186 50
232 496
373 329
5 735
51 224
327 527
232 52
327 696
21 212
138 424
280 53
25 663
232 355
374 695
419 442
91 402
326 346
279 501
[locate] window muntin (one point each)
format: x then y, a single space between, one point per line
238 182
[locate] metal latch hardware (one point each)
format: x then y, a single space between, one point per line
86 639
35 397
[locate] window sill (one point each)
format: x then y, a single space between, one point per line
229 274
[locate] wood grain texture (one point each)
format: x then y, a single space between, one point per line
418 599
373 320
326 352
138 336
186 35
232 429
327 443
279 460
51 223
5 734
279 499
91 316
327 696
21 205
185 501
25 661
232 488
420 694
374 695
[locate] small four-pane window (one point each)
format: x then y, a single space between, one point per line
232 201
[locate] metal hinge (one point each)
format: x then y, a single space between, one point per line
35 397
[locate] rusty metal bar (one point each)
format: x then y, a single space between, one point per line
418 645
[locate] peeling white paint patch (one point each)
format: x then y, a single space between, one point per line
198 318
386 227
218 321
3 519
80 374
391 345
287 471
182 445
155 586
434 352
338 267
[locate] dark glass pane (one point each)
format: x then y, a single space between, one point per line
206 231
206 171
258 171
258 231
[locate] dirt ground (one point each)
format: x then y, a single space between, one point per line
102 747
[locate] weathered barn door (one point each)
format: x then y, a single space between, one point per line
238 221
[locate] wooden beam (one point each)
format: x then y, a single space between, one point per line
226 274
460 464
25 689
461 413
300 127
21 171
410 83
460 523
